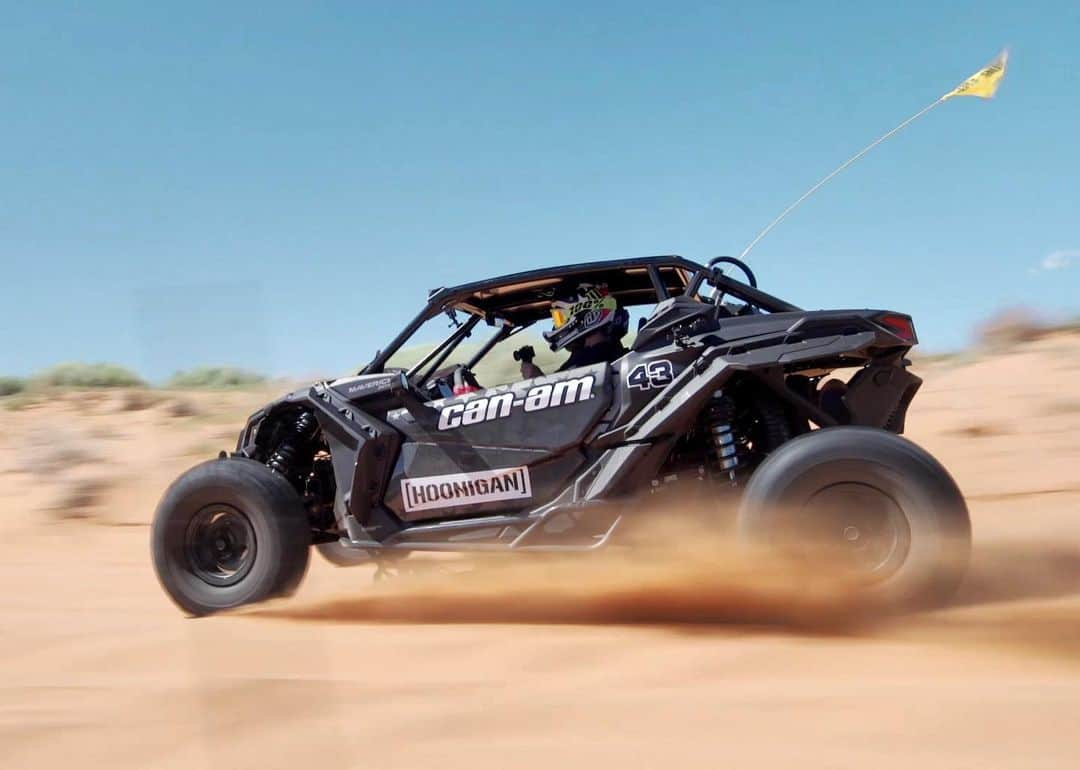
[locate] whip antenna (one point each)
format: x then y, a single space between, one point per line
983 84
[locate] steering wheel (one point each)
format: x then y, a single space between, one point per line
745 268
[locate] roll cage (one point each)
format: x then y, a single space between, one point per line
516 301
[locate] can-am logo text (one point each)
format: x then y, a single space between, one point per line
535 399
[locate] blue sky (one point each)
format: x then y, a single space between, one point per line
277 185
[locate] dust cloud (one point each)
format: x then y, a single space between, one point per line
687 656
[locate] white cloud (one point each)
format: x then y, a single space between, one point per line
1059 260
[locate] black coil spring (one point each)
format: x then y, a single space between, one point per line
297 438
720 415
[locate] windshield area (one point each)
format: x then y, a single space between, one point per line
500 332
440 341
444 357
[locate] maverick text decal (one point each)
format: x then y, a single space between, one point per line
466 488
500 405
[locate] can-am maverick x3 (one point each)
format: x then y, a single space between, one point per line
726 392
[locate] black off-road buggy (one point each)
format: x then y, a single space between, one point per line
788 417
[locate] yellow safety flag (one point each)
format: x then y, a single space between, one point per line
983 83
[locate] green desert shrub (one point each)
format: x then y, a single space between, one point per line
214 378
9 386
83 375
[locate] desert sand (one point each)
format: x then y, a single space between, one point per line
99 669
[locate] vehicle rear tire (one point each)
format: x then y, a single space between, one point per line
878 502
229 532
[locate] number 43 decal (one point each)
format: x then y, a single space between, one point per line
655 374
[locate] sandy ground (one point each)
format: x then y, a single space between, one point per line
98 669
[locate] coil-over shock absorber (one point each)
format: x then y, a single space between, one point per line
295 443
718 416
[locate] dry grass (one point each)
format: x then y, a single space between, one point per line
1056 408
1017 326
979 430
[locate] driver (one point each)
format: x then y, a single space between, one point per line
589 323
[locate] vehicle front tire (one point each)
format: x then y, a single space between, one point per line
229 532
878 504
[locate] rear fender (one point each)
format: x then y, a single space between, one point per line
879 395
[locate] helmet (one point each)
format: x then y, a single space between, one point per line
580 314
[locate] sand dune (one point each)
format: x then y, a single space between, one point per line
683 662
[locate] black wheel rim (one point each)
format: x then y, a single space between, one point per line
862 525
220 545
